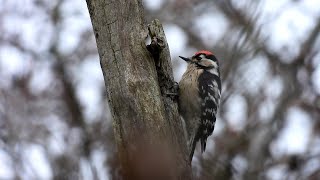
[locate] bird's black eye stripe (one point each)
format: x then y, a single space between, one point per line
198 58
212 57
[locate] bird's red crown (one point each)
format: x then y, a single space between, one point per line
203 52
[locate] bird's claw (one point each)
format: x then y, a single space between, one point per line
174 89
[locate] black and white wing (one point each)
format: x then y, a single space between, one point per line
210 93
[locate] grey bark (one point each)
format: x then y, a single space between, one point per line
147 128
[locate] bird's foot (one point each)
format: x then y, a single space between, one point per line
173 92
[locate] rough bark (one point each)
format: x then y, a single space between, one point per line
146 123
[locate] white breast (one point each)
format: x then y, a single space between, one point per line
189 101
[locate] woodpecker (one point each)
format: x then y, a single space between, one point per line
199 97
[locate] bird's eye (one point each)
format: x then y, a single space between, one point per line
198 58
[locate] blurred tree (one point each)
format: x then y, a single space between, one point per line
54 122
40 105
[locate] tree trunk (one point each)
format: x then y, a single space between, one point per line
147 127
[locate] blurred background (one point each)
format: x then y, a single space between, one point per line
55 122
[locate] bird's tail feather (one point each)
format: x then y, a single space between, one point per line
192 144
203 144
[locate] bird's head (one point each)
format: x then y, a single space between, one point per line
203 59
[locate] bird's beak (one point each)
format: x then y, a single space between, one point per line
186 59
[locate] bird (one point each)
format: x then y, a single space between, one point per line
199 97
